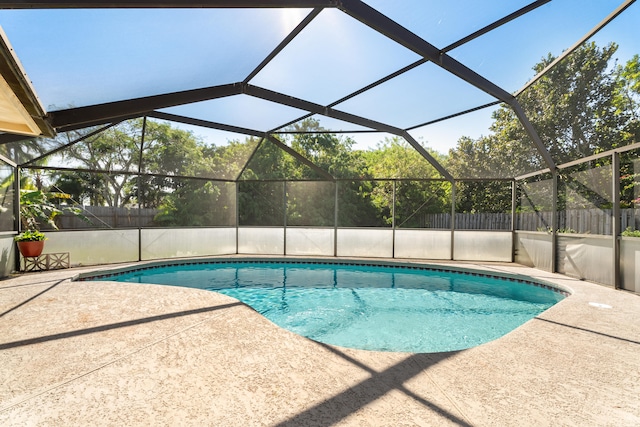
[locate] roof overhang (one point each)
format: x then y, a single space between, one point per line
20 110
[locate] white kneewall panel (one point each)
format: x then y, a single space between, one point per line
8 254
93 247
534 249
586 257
483 246
366 242
187 242
261 241
423 244
310 241
630 263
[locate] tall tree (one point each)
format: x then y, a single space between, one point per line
628 99
165 150
394 158
578 108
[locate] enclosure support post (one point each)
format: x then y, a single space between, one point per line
335 221
237 215
393 220
513 220
453 217
615 212
16 212
284 215
16 199
554 221
144 130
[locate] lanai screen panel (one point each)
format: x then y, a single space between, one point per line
535 204
424 93
271 162
506 55
240 110
100 148
364 203
6 197
261 204
311 204
585 194
444 135
27 150
630 191
175 148
491 143
78 57
334 52
443 23
184 202
423 204
476 211
24 150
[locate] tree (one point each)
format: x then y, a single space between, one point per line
197 203
328 151
163 150
308 203
581 106
83 187
394 158
628 100
114 150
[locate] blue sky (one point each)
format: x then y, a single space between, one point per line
82 57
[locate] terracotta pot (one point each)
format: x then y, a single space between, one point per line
31 249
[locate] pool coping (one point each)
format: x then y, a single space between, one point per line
413 265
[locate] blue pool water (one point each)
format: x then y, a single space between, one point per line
368 307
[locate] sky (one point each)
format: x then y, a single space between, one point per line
84 57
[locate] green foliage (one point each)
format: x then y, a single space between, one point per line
37 206
261 203
310 203
30 236
483 196
567 230
394 158
629 232
82 186
580 107
197 203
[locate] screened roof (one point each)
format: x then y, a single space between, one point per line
429 72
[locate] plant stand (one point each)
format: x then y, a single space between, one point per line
53 261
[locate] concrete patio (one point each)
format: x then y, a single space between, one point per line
107 353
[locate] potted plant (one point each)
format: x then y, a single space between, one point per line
30 242
36 206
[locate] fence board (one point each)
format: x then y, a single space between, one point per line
108 217
584 221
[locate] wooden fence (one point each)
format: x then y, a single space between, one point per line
108 217
584 221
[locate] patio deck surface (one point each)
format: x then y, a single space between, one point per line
107 353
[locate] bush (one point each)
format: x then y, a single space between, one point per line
30 236
628 232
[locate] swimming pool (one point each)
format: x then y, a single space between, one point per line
394 307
